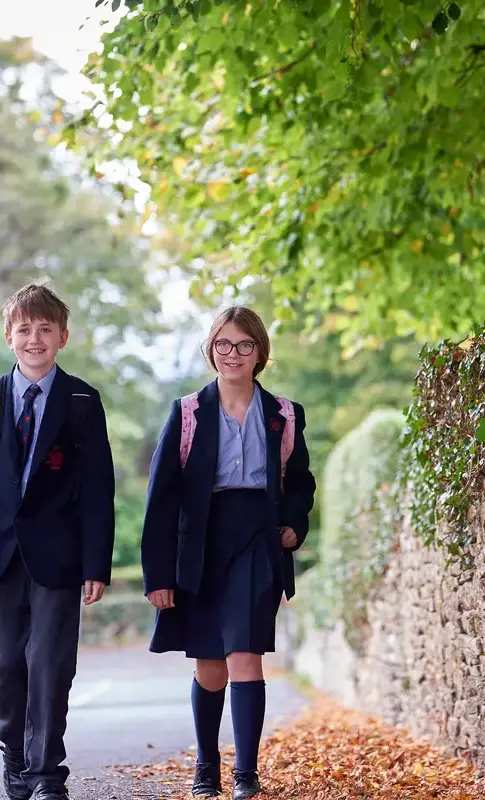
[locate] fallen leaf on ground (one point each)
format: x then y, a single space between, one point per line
333 753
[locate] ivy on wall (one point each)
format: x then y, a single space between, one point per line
443 459
433 463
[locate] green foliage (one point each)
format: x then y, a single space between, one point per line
358 522
444 457
337 391
437 468
334 147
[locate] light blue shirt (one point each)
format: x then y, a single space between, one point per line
241 462
19 387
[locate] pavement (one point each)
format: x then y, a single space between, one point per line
131 707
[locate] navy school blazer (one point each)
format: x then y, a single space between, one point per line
179 500
64 524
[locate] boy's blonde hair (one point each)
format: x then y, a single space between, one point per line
34 302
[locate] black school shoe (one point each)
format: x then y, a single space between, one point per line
246 784
50 790
207 780
13 764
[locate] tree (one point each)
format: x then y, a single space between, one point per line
334 147
60 226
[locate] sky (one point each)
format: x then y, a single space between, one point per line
54 26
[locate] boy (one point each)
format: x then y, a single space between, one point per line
56 534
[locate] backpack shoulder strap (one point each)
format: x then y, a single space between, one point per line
188 404
288 439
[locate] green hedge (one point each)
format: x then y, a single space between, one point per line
358 525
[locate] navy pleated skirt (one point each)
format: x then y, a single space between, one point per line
236 606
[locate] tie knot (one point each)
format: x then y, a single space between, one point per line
32 391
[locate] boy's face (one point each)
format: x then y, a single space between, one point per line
36 344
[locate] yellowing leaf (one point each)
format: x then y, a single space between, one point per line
219 191
466 343
454 259
147 213
163 186
178 164
417 246
350 303
418 769
247 171
53 139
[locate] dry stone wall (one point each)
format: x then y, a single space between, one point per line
424 663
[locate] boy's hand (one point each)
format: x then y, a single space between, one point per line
161 598
288 537
93 591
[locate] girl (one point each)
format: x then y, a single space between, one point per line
220 528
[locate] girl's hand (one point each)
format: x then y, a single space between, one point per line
161 598
288 537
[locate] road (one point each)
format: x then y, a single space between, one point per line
129 706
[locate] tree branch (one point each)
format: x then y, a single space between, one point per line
286 67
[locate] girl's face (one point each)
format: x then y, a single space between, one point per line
235 364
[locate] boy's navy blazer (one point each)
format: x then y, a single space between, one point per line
64 524
179 500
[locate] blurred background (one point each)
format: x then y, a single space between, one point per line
136 329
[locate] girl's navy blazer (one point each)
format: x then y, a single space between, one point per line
179 500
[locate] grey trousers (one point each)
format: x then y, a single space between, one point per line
39 630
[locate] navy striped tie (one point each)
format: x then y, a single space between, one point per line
26 424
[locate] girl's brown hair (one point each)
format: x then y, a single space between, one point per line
251 324
35 302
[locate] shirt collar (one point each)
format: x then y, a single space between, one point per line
22 383
255 401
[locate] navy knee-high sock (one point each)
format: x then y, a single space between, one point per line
248 703
207 708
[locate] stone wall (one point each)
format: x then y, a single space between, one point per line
424 663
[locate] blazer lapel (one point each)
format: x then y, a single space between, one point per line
9 425
205 446
52 420
275 425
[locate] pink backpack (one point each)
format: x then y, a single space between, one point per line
190 403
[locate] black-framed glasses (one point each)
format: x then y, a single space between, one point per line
224 347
